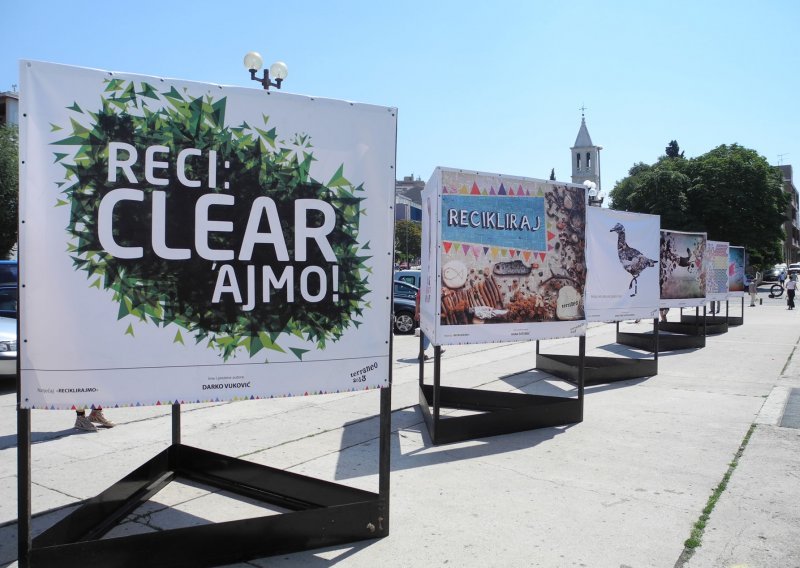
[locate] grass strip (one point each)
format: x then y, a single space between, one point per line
696 537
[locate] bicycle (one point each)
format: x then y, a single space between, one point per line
776 291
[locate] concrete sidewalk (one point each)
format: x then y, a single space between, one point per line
621 489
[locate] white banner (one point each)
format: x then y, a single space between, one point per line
736 278
184 242
622 259
716 260
682 276
505 258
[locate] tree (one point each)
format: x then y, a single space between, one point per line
737 197
407 240
731 193
657 190
553 174
9 188
673 150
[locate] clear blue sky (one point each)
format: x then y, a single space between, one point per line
493 86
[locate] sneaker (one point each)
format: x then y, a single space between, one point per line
83 423
97 417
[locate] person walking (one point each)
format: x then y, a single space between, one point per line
753 289
791 286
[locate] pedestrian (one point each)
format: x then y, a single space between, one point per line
791 286
782 277
753 289
87 423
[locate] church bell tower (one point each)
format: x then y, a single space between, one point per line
585 157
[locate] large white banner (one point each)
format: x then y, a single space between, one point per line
622 253
503 258
736 278
716 260
682 275
185 242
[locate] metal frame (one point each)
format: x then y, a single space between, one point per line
697 325
660 342
713 324
732 321
500 412
599 370
321 513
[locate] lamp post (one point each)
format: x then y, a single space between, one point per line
595 199
253 62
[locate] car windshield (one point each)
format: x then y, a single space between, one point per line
8 273
8 300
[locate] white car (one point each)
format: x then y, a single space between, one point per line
8 346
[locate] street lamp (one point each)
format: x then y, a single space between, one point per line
595 199
253 62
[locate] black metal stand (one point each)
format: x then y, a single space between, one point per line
320 513
698 324
660 342
599 370
497 412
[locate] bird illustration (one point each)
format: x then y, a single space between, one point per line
631 259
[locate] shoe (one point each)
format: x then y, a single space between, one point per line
441 351
97 417
424 358
83 423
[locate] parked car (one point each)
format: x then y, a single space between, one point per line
413 277
771 275
8 301
405 303
8 346
9 272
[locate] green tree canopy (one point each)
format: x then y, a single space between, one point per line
673 150
407 239
731 193
9 188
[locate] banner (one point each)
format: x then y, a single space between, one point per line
503 258
736 279
183 242
622 252
716 261
682 277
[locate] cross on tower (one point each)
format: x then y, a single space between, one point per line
583 108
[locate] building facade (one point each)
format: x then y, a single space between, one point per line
9 107
408 199
791 226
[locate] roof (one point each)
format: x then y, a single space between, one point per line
414 194
583 140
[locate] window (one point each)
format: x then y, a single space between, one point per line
578 165
588 161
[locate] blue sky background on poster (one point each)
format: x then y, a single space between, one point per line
512 222
736 256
